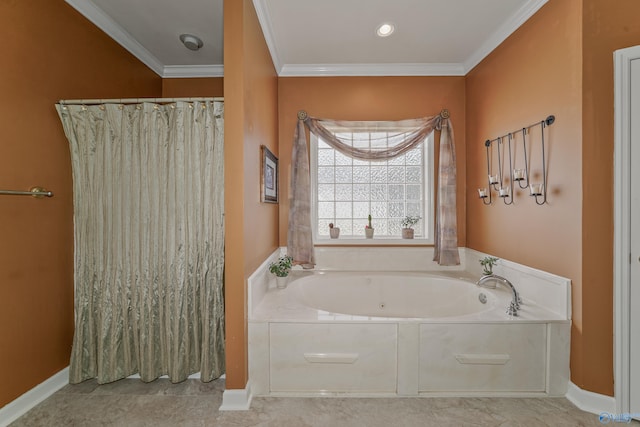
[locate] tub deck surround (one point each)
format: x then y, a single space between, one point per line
545 289
304 301
381 258
344 333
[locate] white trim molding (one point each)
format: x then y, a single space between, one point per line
189 71
503 32
622 224
23 404
236 399
589 401
103 21
334 70
267 30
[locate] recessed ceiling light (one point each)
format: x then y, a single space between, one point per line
385 29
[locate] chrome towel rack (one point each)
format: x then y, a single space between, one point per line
37 192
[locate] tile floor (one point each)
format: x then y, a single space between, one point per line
133 403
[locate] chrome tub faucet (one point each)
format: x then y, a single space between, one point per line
488 281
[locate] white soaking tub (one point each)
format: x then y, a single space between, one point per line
403 334
392 295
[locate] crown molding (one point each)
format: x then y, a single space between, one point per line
103 21
187 71
504 31
317 70
267 30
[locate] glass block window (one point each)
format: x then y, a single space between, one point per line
345 190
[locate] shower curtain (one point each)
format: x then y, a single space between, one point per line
148 234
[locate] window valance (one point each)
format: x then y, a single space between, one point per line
409 134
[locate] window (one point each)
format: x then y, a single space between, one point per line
345 190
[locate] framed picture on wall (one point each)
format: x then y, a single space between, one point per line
268 177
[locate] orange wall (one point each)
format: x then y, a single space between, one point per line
369 98
50 52
559 62
251 119
192 87
605 29
536 72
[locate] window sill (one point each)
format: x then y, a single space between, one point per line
380 241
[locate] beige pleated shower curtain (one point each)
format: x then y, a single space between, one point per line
148 234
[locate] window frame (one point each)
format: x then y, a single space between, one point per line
428 202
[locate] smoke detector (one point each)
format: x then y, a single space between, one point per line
190 41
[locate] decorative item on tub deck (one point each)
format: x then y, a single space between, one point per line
487 264
407 226
281 269
334 232
368 229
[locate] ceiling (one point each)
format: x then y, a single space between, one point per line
317 38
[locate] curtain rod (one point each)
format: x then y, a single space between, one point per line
302 114
135 100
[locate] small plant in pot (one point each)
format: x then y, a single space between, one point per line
487 264
281 269
368 229
407 226
334 232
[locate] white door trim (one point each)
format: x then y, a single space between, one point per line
622 222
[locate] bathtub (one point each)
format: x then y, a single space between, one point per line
392 295
403 334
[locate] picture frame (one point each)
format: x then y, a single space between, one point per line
269 182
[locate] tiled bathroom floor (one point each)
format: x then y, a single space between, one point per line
132 403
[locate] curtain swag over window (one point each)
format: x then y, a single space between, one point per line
300 240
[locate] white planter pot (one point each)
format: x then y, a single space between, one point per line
368 233
334 232
407 233
281 282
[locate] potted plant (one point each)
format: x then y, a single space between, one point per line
334 232
487 264
281 269
368 229
407 226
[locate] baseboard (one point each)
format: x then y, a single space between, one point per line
20 406
236 399
589 401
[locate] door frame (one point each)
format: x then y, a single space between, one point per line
622 224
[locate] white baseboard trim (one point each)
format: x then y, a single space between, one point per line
20 406
589 401
236 399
